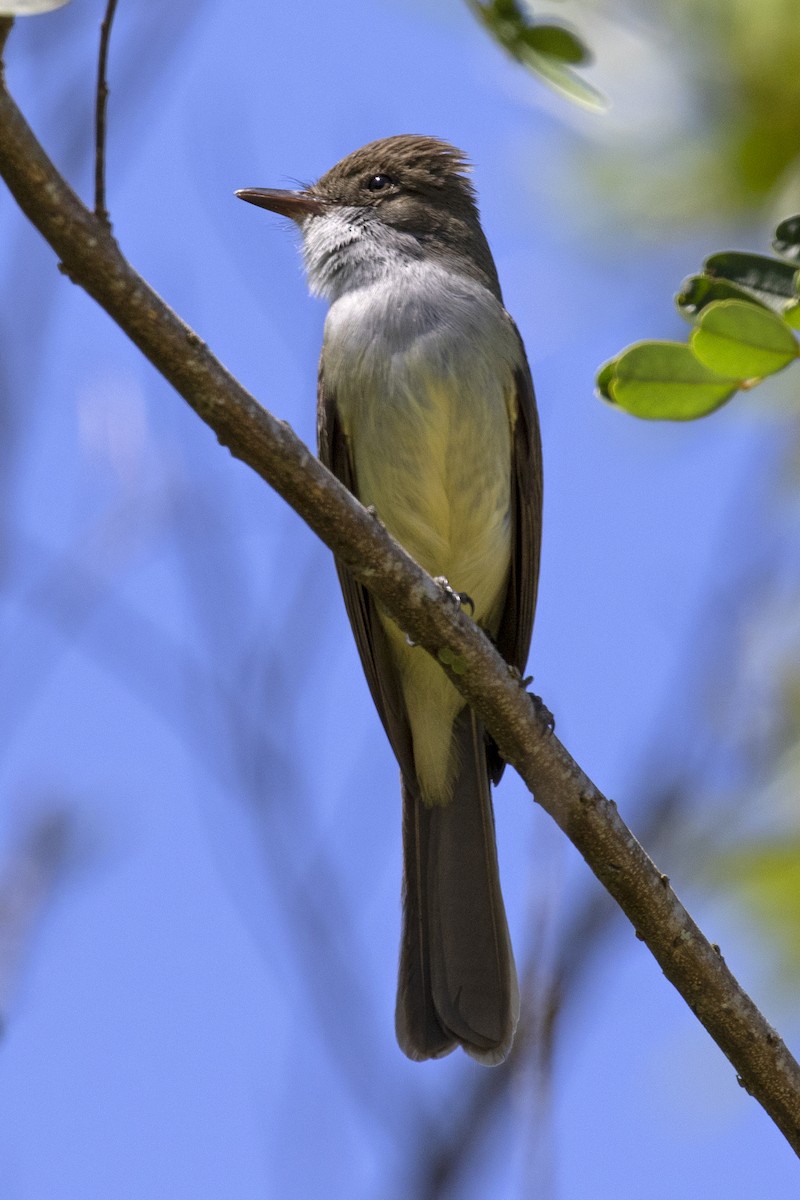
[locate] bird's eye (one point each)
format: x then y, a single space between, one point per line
376 183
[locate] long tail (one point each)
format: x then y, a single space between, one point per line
457 983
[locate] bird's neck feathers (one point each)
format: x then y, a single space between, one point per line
348 248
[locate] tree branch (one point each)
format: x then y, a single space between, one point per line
91 258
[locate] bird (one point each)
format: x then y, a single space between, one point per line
426 412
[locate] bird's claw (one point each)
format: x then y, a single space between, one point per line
545 717
457 599
543 714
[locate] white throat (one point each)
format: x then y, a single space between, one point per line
349 248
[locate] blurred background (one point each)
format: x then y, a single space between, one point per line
200 824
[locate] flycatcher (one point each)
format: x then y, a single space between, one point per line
426 411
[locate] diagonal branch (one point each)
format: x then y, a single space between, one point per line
91 258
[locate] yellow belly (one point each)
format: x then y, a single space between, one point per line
436 463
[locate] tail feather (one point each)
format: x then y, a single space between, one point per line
457 982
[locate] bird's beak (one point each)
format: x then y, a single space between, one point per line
296 205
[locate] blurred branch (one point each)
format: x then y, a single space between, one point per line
26 883
90 257
166 676
101 104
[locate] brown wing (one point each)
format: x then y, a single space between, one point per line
516 624
371 641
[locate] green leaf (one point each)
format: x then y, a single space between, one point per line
698 291
663 381
787 238
771 281
604 377
557 41
503 19
545 49
791 314
504 10
564 80
743 341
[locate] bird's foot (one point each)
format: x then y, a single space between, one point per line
457 599
543 714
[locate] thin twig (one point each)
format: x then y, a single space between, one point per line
91 258
101 104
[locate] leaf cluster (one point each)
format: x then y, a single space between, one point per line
551 50
743 309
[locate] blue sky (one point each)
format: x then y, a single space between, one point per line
206 1009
